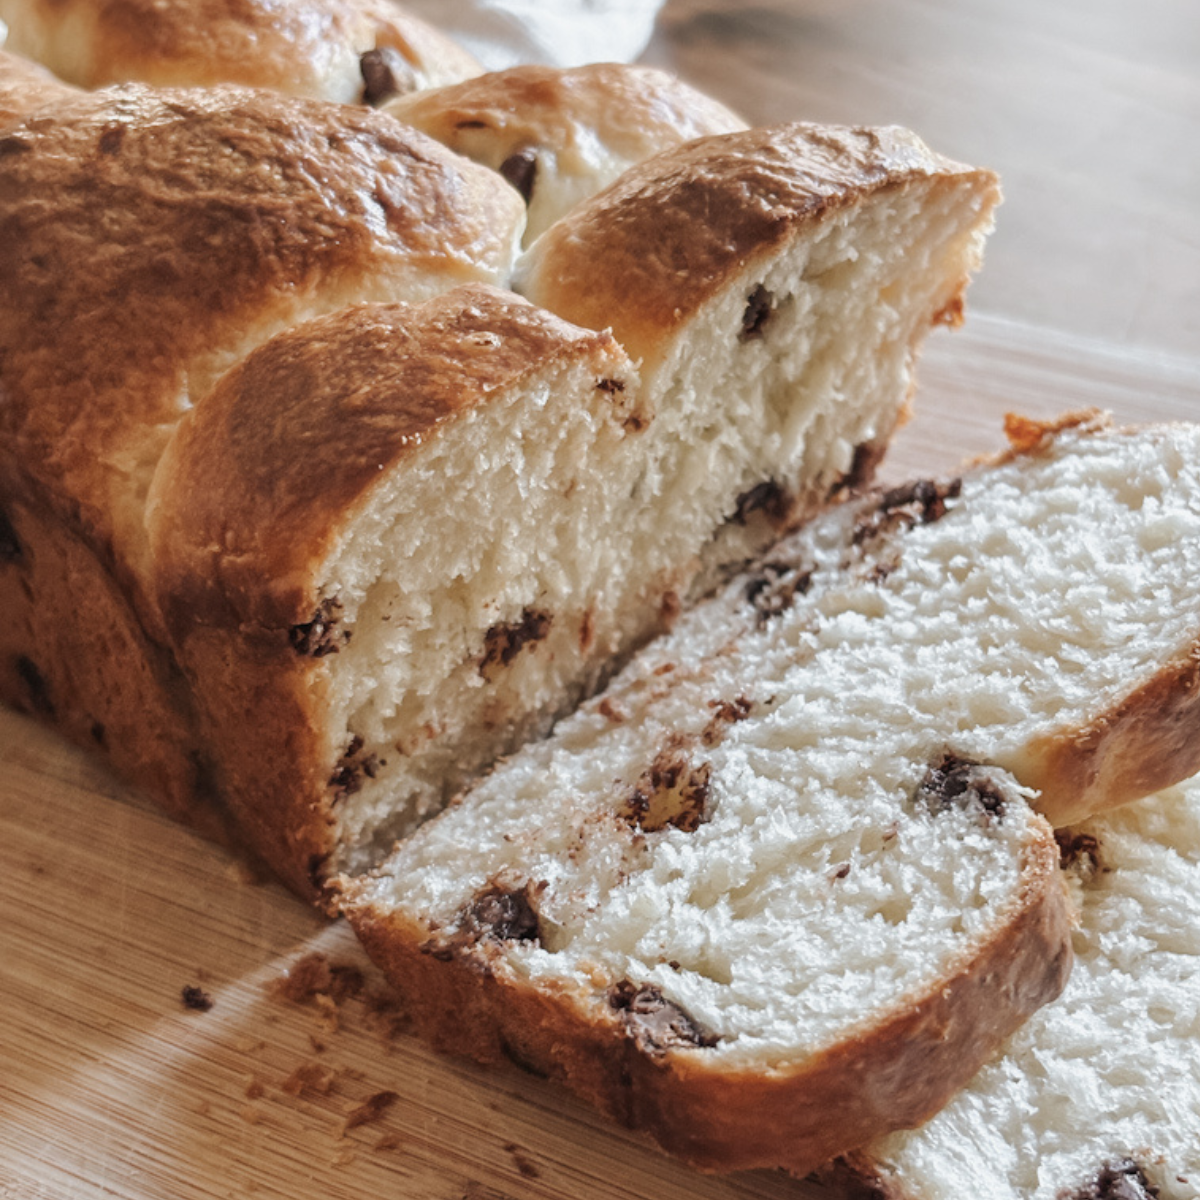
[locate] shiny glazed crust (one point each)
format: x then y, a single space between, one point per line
26 88
643 255
213 216
905 1063
265 476
304 47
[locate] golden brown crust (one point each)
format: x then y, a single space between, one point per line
896 1070
149 237
304 47
265 474
1148 741
633 111
644 254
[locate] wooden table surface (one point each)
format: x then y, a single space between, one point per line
109 1086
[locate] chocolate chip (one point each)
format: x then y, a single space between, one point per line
867 458
386 73
321 635
954 782
501 914
520 169
671 792
611 385
727 712
923 499
196 999
353 767
1121 1179
503 642
774 588
10 544
760 304
1078 849
654 1023
36 687
769 498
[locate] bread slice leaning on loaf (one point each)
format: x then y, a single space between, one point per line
1097 1097
781 885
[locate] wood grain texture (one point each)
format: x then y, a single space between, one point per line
111 1087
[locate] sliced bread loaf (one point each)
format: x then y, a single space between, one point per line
1097 1097
780 886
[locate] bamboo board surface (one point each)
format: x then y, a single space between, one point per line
110 1086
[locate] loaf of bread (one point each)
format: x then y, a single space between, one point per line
779 885
340 50
330 681
1098 1095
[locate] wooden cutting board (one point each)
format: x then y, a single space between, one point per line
111 1086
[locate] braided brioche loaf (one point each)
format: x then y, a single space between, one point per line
274 549
764 896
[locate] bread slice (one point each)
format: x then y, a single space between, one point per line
792 271
340 50
561 135
1099 1094
780 886
148 240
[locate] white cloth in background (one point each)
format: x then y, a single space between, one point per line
564 33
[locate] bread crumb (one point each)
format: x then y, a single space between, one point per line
254 1088
251 1115
196 999
389 1141
369 1110
310 1079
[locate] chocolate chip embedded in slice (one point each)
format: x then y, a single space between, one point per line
774 587
1121 1179
503 642
671 792
520 170
769 498
354 767
954 782
654 1023
502 914
321 635
760 304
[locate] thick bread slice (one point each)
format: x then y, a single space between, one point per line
341 50
393 542
147 241
1098 1096
793 271
561 135
759 898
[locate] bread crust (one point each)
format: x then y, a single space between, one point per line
304 47
643 255
260 482
633 111
892 1072
26 87
148 236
